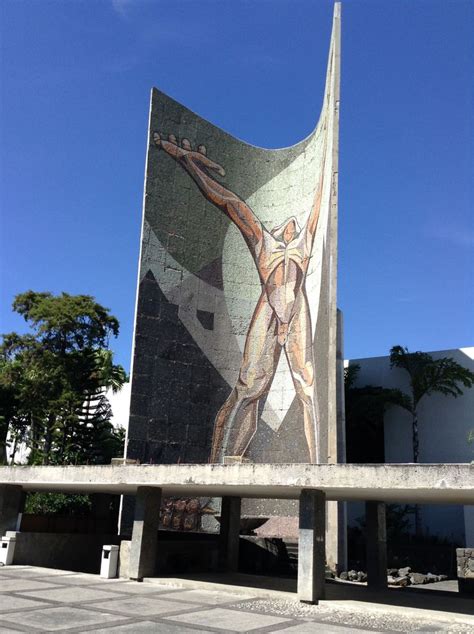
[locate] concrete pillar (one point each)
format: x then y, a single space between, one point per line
12 503
229 534
376 545
312 546
336 526
145 533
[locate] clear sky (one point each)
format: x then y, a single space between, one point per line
75 83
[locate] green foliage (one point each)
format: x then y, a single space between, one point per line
365 410
53 380
57 504
428 375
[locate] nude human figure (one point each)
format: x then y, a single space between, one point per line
281 320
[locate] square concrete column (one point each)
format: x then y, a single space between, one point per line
376 545
12 503
229 534
145 533
312 546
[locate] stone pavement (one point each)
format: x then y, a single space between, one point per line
46 600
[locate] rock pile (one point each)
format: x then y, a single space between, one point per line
396 577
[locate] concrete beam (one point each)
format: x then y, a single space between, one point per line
12 502
145 533
312 546
229 534
416 483
376 545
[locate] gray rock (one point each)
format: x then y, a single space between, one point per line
361 576
416 578
404 572
352 575
399 581
344 576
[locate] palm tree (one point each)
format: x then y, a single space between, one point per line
428 376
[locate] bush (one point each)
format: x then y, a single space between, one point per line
57 504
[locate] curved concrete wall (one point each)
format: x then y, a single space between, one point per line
234 354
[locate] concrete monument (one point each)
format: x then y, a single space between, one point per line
235 337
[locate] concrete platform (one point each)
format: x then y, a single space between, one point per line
416 483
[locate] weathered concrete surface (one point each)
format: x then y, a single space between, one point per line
421 483
312 546
465 570
229 534
71 551
145 532
376 544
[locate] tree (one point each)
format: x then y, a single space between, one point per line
53 379
427 376
365 409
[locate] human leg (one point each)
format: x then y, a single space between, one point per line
236 422
300 355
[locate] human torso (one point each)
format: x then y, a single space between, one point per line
282 269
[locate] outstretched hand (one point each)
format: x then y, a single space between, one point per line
198 157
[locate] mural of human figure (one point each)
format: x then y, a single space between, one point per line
281 319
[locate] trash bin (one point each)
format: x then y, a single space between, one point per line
109 562
7 549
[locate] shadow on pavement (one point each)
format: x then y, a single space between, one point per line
285 588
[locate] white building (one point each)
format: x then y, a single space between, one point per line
444 426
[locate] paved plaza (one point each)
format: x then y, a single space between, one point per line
47 600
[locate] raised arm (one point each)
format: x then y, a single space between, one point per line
199 166
312 223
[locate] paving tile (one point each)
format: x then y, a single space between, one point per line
326 628
29 571
208 597
134 587
62 618
233 620
149 626
72 594
87 580
10 584
143 606
12 603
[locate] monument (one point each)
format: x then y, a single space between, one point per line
235 336
235 332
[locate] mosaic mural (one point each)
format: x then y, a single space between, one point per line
234 356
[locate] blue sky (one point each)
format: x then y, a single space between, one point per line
75 83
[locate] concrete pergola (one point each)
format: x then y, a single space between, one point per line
311 484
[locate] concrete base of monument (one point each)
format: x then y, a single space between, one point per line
312 485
